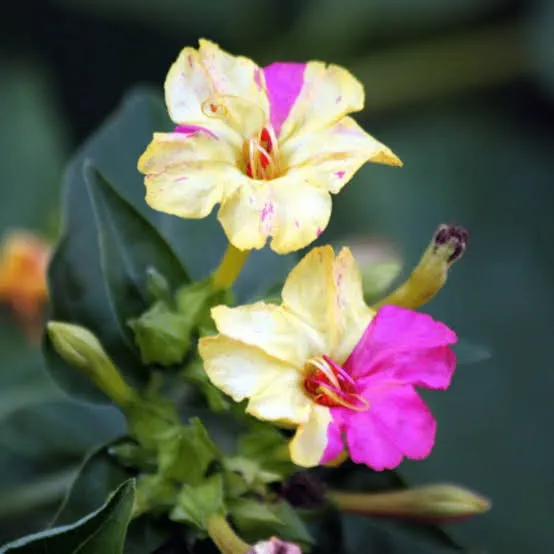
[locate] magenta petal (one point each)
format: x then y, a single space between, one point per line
192 129
284 82
335 443
397 424
405 346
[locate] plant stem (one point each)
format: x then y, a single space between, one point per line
229 268
225 538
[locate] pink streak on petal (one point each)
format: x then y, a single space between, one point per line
193 129
335 443
319 232
404 346
340 174
267 211
398 424
258 77
284 82
297 223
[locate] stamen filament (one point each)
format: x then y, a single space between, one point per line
343 373
334 395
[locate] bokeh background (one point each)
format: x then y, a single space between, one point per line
462 90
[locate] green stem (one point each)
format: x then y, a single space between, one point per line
229 268
225 538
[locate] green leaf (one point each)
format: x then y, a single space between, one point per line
248 515
100 474
268 447
186 454
196 504
98 533
129 246
162 335
78 290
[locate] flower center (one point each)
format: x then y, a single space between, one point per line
261 154
330 385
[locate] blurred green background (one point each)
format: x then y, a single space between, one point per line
462 90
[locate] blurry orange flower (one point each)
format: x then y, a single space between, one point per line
23 261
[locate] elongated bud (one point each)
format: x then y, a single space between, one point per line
81 349
435 502
448 244
275 546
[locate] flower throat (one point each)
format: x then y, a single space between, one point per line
330 385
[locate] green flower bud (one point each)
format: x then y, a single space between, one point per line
435 502
162 335
81 349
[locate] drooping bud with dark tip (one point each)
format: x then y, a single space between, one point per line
453 237
448 244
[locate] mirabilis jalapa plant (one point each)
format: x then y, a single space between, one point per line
313 380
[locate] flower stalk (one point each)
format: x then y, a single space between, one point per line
229 268
224 537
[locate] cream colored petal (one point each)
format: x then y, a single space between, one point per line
282 400
234 75
272 329
309 442
238 369
241 215
187 87
170 149
191 190
300 211
352 313
221 92
327 95
335 153
309 292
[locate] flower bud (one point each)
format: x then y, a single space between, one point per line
275 546
435 502
81 349
448 244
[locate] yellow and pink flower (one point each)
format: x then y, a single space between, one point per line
270 145
326 364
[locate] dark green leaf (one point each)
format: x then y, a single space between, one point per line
77 287
129 245
101 532
98 476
